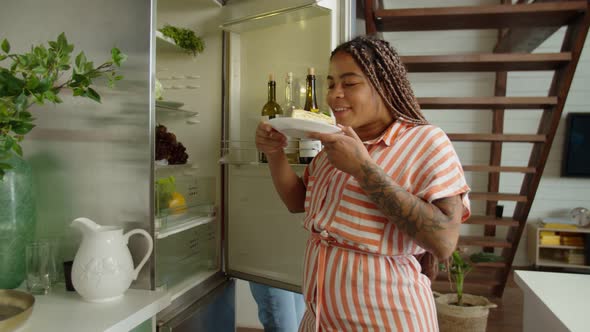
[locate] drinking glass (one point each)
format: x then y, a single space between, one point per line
55 272
38 265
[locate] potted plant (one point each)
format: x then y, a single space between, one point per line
29 78
460 312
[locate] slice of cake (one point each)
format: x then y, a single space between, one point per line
320 117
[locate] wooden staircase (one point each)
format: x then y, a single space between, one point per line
522 27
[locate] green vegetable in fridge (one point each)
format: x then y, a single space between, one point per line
165 187
185 38
159 90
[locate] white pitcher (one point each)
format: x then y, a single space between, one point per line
103 267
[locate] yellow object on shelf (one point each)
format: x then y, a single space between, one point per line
177 204
549 238
546 233
559 226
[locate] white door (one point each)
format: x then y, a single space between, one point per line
263 241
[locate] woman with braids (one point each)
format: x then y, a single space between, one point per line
387 188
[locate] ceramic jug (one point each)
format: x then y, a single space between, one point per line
103 268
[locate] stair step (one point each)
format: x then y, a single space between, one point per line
487 102
486 62
498 169
524 40
496 138
490 220
480 17
483 241
487 196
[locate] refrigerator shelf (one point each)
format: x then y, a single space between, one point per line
164 43
244 152
252 163
159 166
180 225
176 111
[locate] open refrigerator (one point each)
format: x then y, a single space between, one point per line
97 160
232 223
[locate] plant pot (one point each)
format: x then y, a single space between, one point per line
473 318
17 220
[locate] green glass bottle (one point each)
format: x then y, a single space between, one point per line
311 103
308 149
271 109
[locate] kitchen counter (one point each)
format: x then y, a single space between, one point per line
554 301
62 311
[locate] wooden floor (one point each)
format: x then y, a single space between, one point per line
506 318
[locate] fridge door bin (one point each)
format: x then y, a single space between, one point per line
213 311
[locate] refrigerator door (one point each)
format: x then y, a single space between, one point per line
264 242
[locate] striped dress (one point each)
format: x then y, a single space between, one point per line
359 272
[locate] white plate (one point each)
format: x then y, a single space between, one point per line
168 104
298 128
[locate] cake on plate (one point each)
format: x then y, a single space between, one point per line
319 117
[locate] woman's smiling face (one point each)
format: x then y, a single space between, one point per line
353 99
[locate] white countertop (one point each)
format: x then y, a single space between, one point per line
566 295
66 311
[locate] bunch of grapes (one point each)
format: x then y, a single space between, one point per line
167 147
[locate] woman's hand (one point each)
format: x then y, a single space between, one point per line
269 141
345 150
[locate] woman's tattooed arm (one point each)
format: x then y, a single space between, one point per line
434 226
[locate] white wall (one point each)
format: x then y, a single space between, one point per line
556 195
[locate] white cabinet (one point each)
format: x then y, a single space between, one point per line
557 254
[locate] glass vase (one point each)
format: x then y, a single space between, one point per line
17 220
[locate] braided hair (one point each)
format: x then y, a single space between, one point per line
382 65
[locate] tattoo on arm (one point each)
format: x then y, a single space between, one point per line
411 214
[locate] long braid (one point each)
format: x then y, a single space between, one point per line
382 65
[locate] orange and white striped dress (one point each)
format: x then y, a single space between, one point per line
360 272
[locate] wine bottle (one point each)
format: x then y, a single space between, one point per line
311 104
292 149
289 102
271 109
308 149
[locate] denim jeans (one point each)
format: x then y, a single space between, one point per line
278 310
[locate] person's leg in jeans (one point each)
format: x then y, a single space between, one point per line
278 310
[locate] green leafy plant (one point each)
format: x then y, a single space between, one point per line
35 77
458 268
185 38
